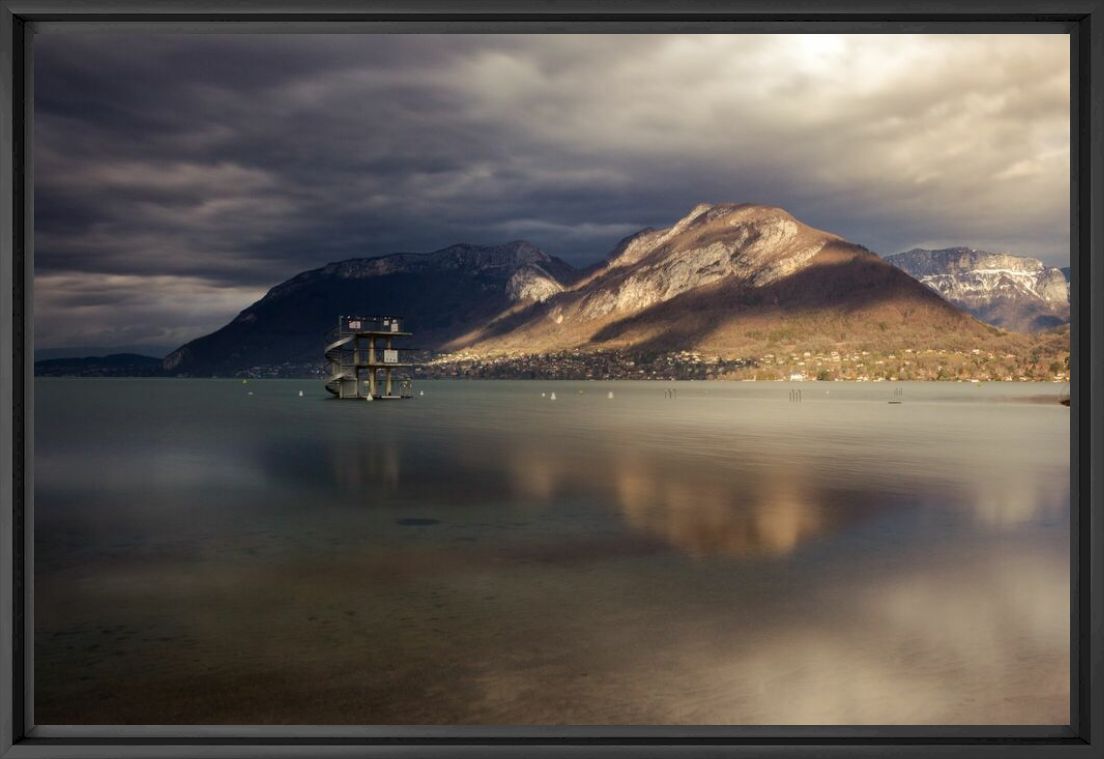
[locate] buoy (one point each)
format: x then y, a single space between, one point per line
610 394
251 392
553 396
543 395
421 392
300 393
367 397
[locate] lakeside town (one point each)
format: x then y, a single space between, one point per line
797 365
857 366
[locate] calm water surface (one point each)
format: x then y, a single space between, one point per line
209 551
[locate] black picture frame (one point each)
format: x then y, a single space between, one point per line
20 20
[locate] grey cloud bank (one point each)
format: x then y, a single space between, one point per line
178 177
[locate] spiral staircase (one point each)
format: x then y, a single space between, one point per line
339 355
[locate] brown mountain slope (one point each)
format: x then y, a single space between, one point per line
844 296
730 279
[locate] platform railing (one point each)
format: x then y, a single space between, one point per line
352 324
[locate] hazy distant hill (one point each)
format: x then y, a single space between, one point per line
82 351
1012 292
114 365
732 279
440 294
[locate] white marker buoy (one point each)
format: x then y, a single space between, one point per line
553 396
543 395
300 393
367 397
421 392
610 394
251 392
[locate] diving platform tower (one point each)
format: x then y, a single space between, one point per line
358 350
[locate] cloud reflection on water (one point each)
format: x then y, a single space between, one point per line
696 507
717 560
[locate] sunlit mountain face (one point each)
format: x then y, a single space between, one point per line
1008 291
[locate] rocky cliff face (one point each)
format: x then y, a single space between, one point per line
1013 292
532 283
755 244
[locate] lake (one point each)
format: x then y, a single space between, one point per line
213 551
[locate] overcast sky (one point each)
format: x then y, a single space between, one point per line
179 177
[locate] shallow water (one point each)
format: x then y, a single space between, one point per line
483 554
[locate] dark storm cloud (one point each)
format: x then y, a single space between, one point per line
178 177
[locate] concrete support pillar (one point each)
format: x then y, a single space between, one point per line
388 369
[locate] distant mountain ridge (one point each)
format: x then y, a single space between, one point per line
112 365
1012 292
440 295
83 351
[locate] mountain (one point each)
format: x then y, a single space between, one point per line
42 354
739 286
1011 292
114 365
730 279
440 295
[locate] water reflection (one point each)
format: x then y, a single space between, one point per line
1013 498
770 515
686 505
748 511
477 556
364 468
977 636
710 480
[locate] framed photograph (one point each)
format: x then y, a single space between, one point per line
614 378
